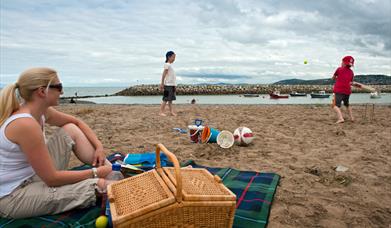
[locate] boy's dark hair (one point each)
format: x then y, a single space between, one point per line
169 54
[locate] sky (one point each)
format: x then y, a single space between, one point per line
123 42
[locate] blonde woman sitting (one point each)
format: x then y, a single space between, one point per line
34 179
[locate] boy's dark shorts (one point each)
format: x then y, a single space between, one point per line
339 97
169 93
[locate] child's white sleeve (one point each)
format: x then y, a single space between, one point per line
166 65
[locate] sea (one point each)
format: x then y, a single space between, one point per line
90 91
355 98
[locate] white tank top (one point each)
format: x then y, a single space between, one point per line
14 167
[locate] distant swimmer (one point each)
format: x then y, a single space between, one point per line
193 101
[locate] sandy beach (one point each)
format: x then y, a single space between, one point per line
299 142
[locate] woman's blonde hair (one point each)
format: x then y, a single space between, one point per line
28 81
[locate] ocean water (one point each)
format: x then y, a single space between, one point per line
90 91
356 98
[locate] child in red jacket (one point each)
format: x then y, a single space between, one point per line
342 90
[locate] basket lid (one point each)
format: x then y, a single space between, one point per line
200 185
137 195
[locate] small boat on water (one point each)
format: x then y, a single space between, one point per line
321 94
296 94
277 95
375 94
250 95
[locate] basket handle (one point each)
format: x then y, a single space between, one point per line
173 159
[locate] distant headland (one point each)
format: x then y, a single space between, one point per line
364 79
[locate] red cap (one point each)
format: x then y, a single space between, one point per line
348 60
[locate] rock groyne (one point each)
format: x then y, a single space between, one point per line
147 90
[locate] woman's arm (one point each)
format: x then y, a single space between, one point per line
27 133
56 118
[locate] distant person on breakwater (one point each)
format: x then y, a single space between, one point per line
168 84
342 90
72 101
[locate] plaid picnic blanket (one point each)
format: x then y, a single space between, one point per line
254 191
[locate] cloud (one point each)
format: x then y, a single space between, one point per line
255 41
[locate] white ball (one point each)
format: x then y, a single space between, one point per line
243 136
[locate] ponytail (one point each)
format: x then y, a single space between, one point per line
9 103
27 83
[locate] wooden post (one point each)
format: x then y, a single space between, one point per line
365 112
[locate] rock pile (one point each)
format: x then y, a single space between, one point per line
147 90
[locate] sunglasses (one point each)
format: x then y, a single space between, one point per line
56 86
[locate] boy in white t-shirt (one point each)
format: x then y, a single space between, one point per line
168 84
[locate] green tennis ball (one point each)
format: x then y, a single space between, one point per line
101 221
305 61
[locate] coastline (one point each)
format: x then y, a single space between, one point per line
299 142
357 98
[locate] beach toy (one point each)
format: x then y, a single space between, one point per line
225 139
198 122
195 133
243 136
305 61
209 135
101 221
180 130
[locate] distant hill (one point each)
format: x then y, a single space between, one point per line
217 83
371 79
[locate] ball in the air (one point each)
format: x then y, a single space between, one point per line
305 61
101 221
243 136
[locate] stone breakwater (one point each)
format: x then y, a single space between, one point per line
147 90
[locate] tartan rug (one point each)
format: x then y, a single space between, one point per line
254 191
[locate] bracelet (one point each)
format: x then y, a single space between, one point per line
94 172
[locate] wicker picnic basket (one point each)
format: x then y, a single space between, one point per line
171 197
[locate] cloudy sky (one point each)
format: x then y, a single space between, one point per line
123 42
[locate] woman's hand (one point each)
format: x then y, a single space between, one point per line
103 171
99 157
161 86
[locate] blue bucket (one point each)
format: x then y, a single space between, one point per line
209 135
213 135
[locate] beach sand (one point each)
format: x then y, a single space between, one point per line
299 142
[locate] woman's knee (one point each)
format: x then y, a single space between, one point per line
69 126
72 130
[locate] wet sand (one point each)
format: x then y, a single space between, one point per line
299 142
